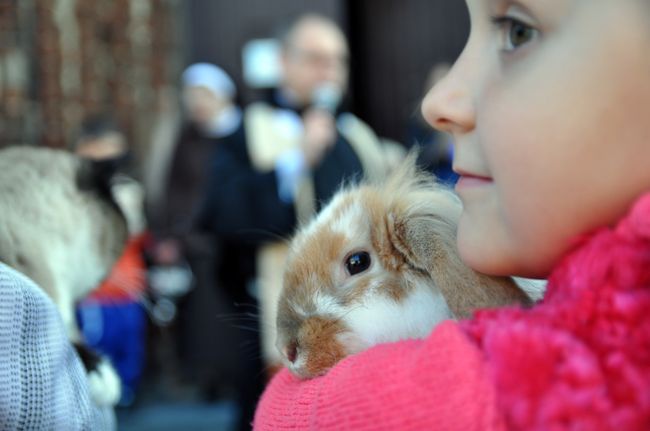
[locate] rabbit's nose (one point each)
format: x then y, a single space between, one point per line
291 351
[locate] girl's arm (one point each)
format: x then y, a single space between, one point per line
438 383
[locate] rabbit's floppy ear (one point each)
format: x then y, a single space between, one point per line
427 242
421 226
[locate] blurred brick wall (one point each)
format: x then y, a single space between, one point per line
61 60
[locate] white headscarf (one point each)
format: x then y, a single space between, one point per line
210 76
218 82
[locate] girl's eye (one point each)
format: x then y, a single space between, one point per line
514 32
357 262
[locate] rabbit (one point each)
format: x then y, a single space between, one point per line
378 264
60 226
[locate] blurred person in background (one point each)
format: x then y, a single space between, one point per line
218 353
112 318
297 149
436 147
212 116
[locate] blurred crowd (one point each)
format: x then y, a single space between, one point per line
190 305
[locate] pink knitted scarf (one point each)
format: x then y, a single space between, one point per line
581 358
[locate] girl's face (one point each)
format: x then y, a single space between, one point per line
549 105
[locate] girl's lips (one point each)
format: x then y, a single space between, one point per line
468 180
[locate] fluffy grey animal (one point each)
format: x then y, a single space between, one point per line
60 226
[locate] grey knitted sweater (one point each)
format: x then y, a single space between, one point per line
43 385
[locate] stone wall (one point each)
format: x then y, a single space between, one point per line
61 60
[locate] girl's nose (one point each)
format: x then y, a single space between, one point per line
448 106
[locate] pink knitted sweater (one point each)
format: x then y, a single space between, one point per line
578 360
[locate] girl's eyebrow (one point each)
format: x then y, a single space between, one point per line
502 5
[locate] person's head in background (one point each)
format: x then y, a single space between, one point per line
436 74
100 138
314 56
549 105
209 99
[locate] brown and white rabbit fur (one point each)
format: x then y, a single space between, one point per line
60 226
378 264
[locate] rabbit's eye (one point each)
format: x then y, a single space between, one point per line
357 262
